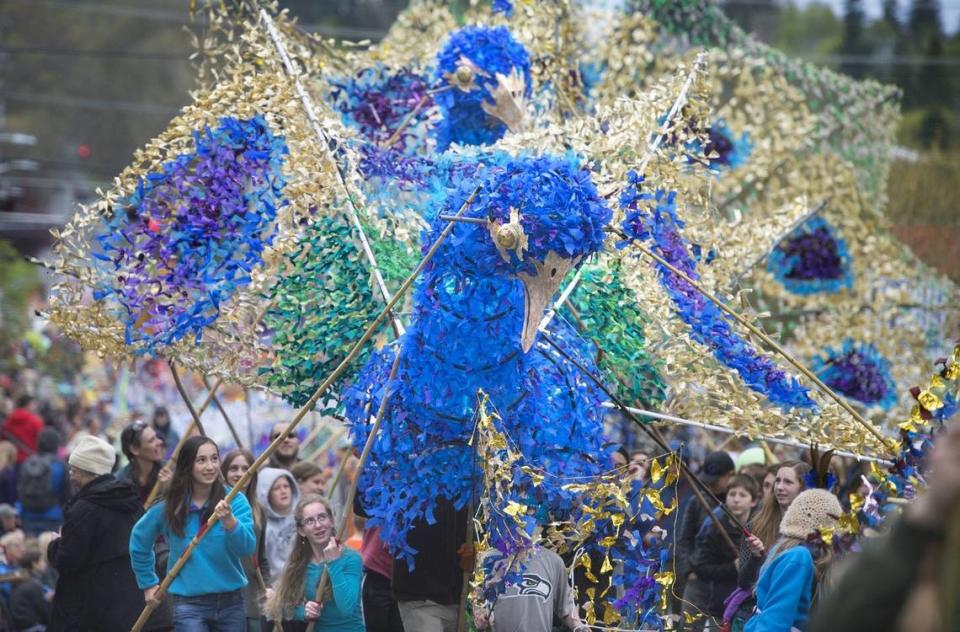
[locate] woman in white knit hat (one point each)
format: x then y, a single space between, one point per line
793 570
96 589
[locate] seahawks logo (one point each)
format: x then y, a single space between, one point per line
534 585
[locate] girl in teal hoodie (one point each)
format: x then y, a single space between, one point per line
207 594
316 549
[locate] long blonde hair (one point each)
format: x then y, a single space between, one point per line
289 589
766 524
822 556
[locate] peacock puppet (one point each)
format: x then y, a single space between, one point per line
255 238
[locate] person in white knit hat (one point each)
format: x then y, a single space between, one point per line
788 579
96 589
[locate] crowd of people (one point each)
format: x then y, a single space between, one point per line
90 531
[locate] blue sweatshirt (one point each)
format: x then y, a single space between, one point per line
784 592
215 565
343 612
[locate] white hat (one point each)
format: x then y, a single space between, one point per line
810 511
93 455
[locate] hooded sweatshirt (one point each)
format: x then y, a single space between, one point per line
216 564
280 529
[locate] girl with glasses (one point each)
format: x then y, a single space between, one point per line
316 549
207 595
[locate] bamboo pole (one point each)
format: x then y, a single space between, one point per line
352 490
321 390
337 476
765 338
223 413
185 397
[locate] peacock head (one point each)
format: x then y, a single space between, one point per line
483 77
534 219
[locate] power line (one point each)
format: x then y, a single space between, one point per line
93 104
97 53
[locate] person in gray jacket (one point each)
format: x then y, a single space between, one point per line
278 494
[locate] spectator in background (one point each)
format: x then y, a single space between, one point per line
43 486
30 600
639 464
8 473
287 453
714 563
766 485
764 530
310 478
620 457
144 448
9 518
95 588
12 545
278 495
751 456
716 473
234 465
22 427
164 428
43 543
756 471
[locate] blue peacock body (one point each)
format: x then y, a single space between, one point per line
475 308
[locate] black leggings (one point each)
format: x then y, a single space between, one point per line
380 612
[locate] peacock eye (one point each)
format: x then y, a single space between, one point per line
553 272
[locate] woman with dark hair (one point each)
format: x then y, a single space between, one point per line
234 465
143 447
316 549
208 592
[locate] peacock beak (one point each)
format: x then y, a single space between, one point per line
538 291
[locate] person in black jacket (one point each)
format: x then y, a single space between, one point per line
716 472
714 563
429 595
30 601
96 589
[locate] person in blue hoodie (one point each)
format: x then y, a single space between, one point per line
795 569
208 593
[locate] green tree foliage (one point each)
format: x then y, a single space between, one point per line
18 281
